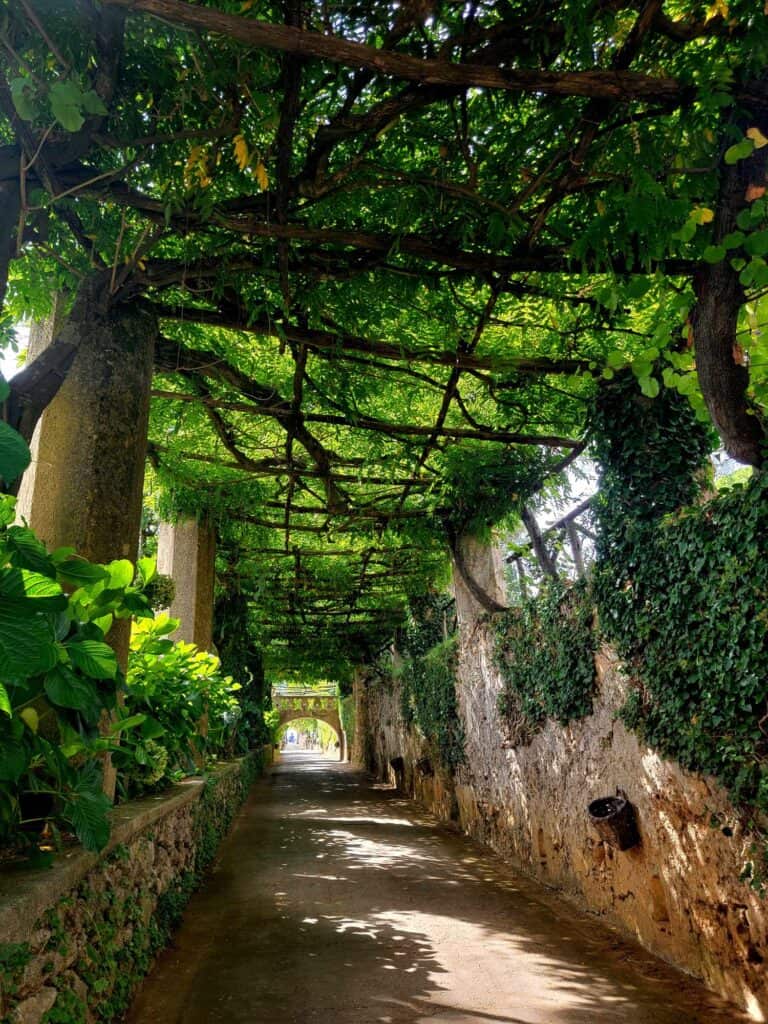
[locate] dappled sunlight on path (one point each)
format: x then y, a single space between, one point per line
336 900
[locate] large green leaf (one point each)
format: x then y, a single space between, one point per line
93 657
67 101
28 552
14 453
68 690
120 573
23 96
87 809
80 572
27 645
31 590
147 568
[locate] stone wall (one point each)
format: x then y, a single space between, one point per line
75 940
678 893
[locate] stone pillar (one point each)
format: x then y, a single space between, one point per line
41 335
361 743
86 489
484 565
186 551
87 486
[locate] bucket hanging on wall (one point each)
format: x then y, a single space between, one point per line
614 818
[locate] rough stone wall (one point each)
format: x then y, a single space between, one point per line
678 893
78 939
397 753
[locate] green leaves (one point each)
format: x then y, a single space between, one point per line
27 645
80 572
14 454
69 104
23 589
87 810
739 151
714 254
545 653
23 96
120 574
68 690
94 658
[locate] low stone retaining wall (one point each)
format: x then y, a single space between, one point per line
76 939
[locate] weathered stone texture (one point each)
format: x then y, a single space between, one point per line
85 934
678 892
186 551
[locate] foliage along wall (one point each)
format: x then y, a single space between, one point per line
65 703
681 591
427 677
552 719
83 958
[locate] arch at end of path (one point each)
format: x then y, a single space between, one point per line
331 719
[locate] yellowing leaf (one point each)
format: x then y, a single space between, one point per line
31 718
717 7
600 206
260 171
702 215
757 137
194 156
242 156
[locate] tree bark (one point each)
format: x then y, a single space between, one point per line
722 369
10 208
545 560
618 85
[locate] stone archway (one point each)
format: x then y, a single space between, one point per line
308 704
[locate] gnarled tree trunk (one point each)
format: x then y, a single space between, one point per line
722 370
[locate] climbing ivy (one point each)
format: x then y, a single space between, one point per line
545 652
680 586
347 716
681 590
428 693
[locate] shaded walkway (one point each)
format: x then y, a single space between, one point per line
337 901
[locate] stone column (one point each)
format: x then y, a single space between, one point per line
484 566
186 551
86 488
41 335
361 743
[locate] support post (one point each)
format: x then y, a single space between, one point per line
87 482
186 551
482 564
41 335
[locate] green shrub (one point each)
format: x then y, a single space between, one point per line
59 677
174 686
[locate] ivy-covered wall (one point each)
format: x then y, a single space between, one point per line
426 673
78 940
650 679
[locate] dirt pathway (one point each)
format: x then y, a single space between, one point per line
336 901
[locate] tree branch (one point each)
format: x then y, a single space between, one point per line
623 85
